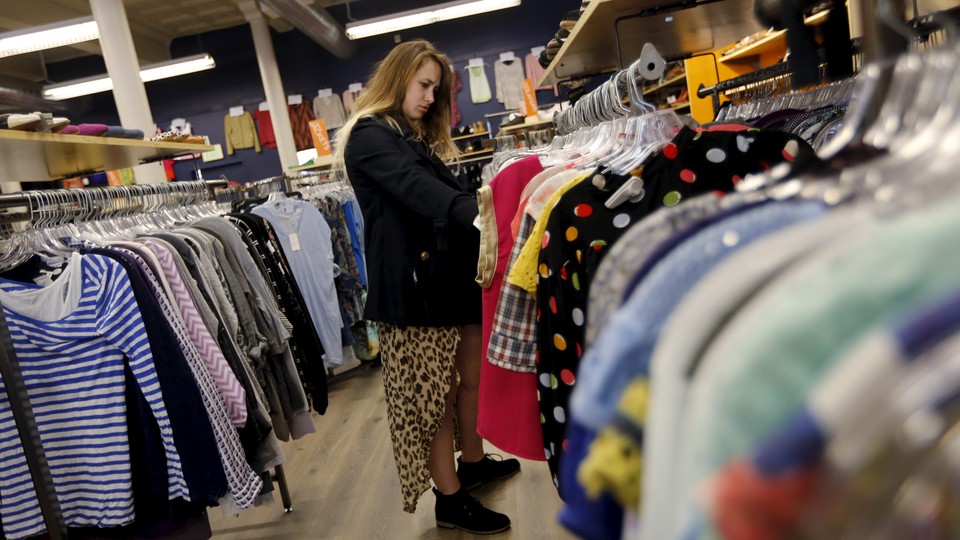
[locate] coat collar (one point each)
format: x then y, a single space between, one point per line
421 148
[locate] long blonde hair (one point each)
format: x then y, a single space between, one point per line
385 93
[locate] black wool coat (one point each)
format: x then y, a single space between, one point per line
421 246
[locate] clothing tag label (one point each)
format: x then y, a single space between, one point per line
537 50
355 87
264 106
236 111
475 62
295 99
294 242
325 92
507 56
476 223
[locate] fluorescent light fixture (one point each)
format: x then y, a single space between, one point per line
414 18
153 72
48 36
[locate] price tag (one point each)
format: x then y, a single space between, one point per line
264 106
507 56
325 92
355 87
236 111
295 99
475 62
294 242
537 50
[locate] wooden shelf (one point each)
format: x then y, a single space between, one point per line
318 163
471 135
665 84
592 46
517 127
680 107
477 153
773 41
27 156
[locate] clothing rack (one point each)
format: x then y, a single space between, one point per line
151 196
761 75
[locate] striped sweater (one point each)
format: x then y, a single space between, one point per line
72 339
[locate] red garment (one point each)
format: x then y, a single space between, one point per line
454 107
265 129
300 116
508 411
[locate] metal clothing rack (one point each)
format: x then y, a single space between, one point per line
72 199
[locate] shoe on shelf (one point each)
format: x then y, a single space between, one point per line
20 122
570 19
461 511
544 60
488 469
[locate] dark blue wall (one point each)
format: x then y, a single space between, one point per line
204 98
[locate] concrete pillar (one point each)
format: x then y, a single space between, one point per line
272 85
123 67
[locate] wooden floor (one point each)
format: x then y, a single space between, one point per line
344 483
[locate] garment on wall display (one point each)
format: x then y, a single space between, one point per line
300 116
479 86
508 75
350 99
240 132
535 72
331 110
455 115
265 128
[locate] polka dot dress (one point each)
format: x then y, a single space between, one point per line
581 230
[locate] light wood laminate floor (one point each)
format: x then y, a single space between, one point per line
344 483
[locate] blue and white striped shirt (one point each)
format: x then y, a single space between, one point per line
72 338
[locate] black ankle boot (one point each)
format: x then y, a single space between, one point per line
474 475
461 511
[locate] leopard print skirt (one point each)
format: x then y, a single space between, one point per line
418 366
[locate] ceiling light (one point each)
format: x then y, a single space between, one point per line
153 72
414 18
48 36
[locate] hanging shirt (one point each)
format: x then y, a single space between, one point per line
240 132
507 416
618 359
581 229
265 129
350 100
331 110
509 82
221 439
702 315
909 260
300 116
305 237
479 86
91 314
535 72
305 346
633 249
455 116
231 391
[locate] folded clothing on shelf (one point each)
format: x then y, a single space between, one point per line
20 122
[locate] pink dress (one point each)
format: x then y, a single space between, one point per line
509 415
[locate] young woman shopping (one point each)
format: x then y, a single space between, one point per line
422 251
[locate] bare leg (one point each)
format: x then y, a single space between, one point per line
468 365
441 465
